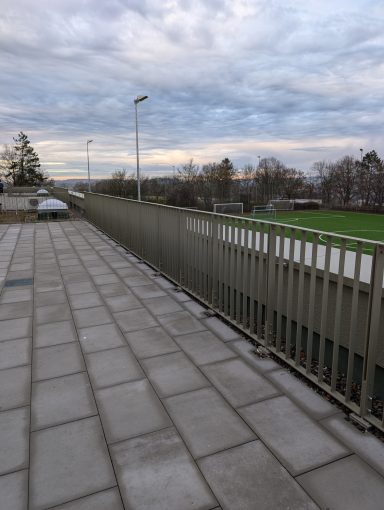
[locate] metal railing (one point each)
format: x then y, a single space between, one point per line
313 298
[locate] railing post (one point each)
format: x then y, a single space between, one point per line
372 330
271 263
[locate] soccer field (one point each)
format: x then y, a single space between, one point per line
345 223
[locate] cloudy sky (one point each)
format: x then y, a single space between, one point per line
300 80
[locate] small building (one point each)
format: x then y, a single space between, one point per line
52 209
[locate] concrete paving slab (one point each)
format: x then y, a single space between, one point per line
14 353
195 309
98 268
125 272
48 285
104 500
300 393
80 288
180 296
92 316
60 400
52 313
137 281
171 374
70 262
221 329
129 410
366 445
14 490
68 462
238 382
55 297
297 441
54 333
79 301
348 484
103 279
15 328
99 338
151 342
113 289
162 305
56 361
124 302
163 282
204 347
245 350
111 367
148 290
16 295
238 478
156 471
206 422
180 323
14 440
133 320
15 310
15 385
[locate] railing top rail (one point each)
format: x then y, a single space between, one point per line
241 218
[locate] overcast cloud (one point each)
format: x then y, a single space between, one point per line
300 80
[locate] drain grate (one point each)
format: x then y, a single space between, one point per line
19 282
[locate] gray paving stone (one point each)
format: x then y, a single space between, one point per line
98 338
204 347
156 471
57 360
139 280
115 366
68 462
52 313
180 323
16 295
14 353
180 296
348 484
297 441
15 310
15 384
123 302
119 263
164 283
55 297
148 291
130 409
80 288
54 333
162 305
195 309
248 477
173 373
245 350
206 422
14 490
103 279
125 272
15 328
113 289
239 383
133 320
221 329
14 440
89 300
75 275
70 262
59 400
92 316
300 393
151 342
367 446
105 500
47 285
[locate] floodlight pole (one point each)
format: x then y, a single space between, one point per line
136 101
361 154
89 176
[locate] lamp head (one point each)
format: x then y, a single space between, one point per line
139 99
89 141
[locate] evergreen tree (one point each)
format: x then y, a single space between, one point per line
24 168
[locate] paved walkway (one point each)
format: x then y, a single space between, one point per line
117 391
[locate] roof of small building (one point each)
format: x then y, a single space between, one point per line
52 204
42 192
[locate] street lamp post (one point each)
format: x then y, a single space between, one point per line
89 177
361 154
137 101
